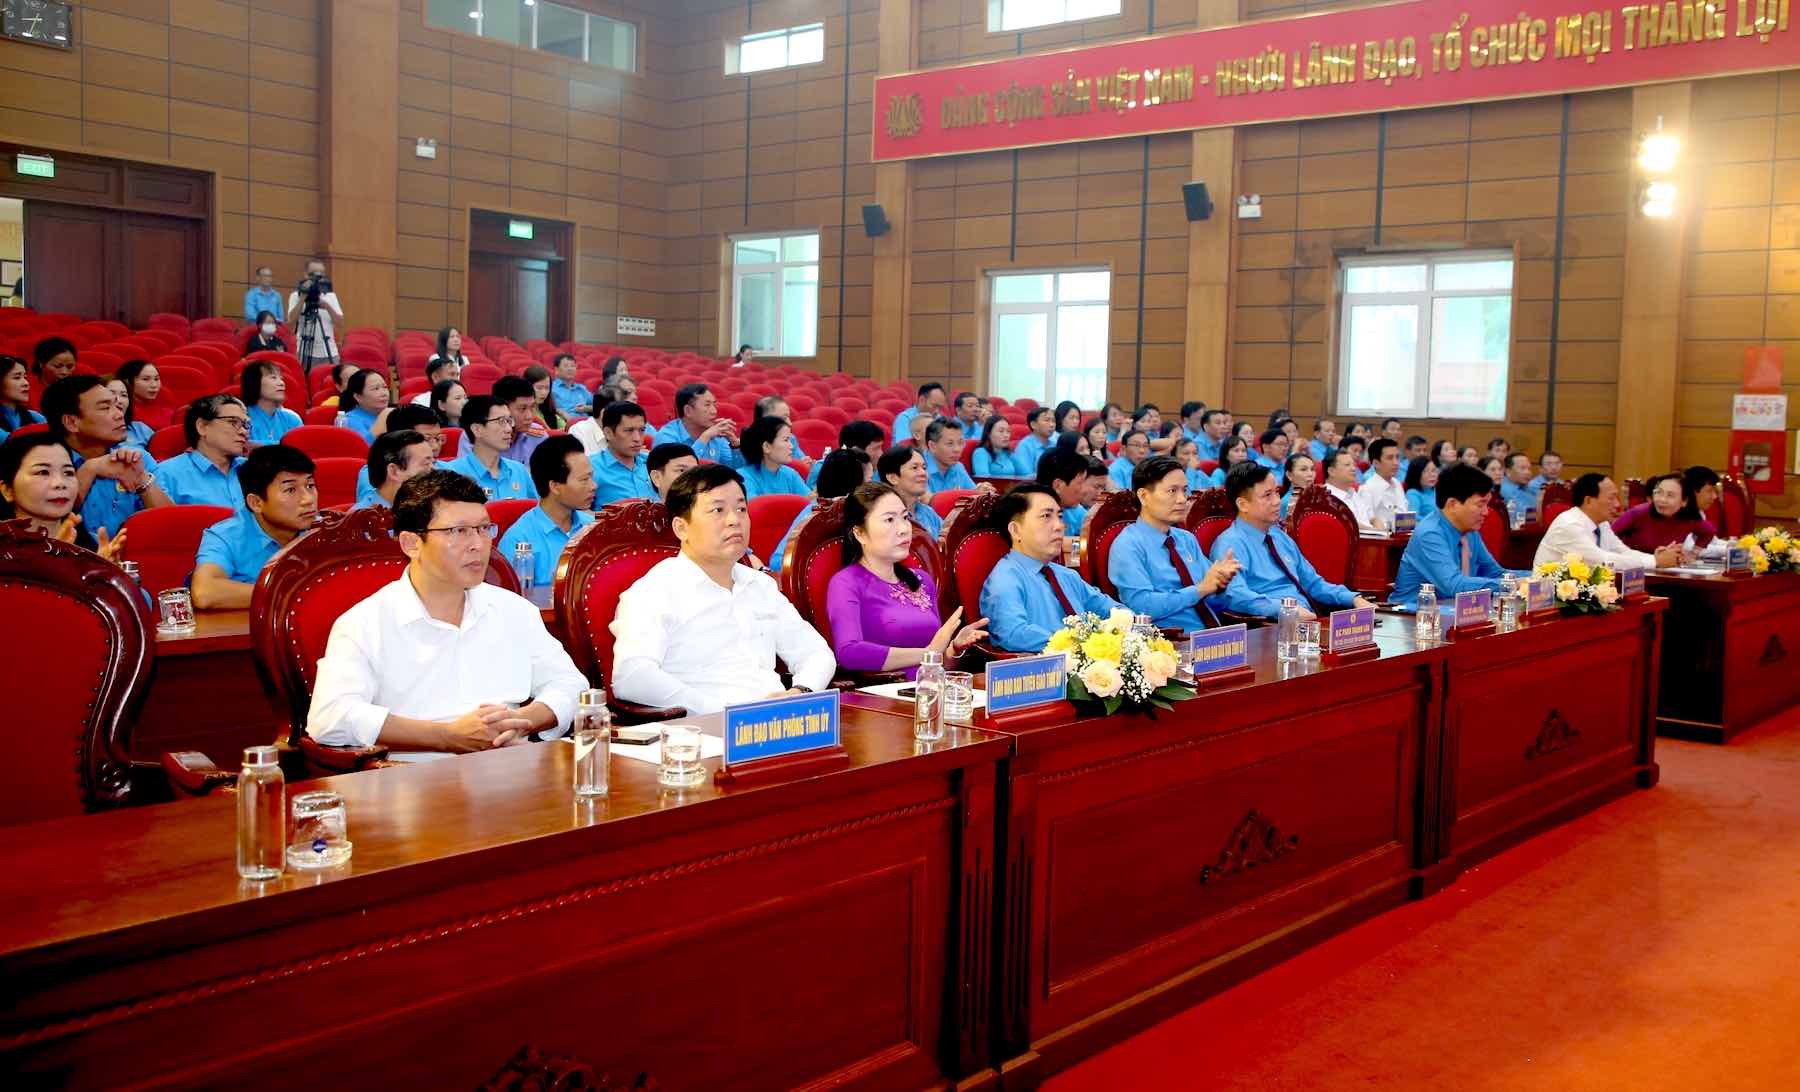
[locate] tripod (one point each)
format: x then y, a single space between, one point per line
309 331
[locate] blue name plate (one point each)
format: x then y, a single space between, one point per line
780 726
1738 559
1405 522
1542 595
1348 629
1224 649
1027 681
1472 607
1631 582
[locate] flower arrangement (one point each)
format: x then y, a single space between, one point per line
1581 588
1772 550
1113 667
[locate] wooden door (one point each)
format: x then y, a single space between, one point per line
67 260
490 296
159 261
519 288
530 299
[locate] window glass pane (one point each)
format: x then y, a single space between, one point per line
1081 354
1470 336
800 248
1022 288
1089 285
762 52
611 43
1382 353
1091 9
1021 353
561 30
807 46
1018 14
505 21
1463 276
757 251
800 310
1384 278
756 311
454 15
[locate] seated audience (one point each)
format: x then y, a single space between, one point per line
920 425
1094 432
1298 475
1133 450
409 418
1275 444
1156 564
439 660
366 394
1187 453
264 393
446 401
281 502
773 405
1446 550
1030 591
666 464
1233 451
15 396
1117 420
943 457
438 371
218 430
1668 518
564 478
145 408
860 435
1340 477
266 337
967 409
904 469
1415 450
1499 448
1704 485
115 480
1550 467
1421 485
1247 432
52 358
884 616
1040 435
1324 439
1215 426
622 466
1515 485
137 433
767 448
1494 469
488 428
1443 453
1159 435
698 424
520 399
396 457
38 485
1382 493
545 414
1067 475
1584 531
573 399
340 378
701 631
1067 416
1193 421
1273 567
840 472
993 456
929 405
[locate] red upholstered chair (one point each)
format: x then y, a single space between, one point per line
80 700
971 549
320 417
944 500
1109 517
452 442
328 441
770 518
336 476
163 542
1635 493
1494 531
182 385
301 592
624 542
1209 513
1325 530
211 328
1557 498
1733 511
505 513
814 434
166 443
1207 466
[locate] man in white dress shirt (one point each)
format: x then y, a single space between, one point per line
439 660
1340 476
1586 532
701 631
1382 494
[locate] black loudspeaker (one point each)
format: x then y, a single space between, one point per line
1199 205
875 221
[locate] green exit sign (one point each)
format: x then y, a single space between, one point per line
519 229
41 166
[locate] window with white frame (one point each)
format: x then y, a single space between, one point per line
775 293
776 49
1048 335
1025 14
1425 335
539 24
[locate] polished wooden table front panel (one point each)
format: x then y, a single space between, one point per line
205 694
827 929
1731 652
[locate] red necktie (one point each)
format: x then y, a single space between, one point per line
1061 597
1207 618
1269 541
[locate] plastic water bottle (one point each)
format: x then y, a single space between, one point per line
1508 612
1512 515
1426 623
1287 635
1143 626
592 733
262 816
928 698
523 566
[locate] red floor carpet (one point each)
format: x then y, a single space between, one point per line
1654 944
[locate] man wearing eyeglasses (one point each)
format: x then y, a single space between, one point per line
438 660
489 425
218 431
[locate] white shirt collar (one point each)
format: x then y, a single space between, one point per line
692 573
409 608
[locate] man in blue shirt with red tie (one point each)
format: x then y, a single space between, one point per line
1028 594
1273 566
1158 567
1446 550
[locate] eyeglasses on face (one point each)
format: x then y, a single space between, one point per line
466 533
242 424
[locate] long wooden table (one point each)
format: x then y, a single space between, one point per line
1731 657
205 695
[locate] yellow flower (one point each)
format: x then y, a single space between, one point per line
1547 568
1579 570
1778 544
1603 575
1162 644
1747 540
1103 646
1060 641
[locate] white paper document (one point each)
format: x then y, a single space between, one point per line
893 690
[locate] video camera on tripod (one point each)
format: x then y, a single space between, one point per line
314 329
310 288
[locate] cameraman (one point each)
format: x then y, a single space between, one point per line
314 290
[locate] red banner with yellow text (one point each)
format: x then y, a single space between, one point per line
1365 60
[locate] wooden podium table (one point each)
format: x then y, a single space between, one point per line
824 930
204 694
1731 653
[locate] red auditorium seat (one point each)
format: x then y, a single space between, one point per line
1325 530
181 385
163 542
327 441
1209 513
945 499
770 518
1207 466
1117 512
167 442
971 549
304 590
505 513
1557 498
1730 514
1494 531
336 476
452 441
177 324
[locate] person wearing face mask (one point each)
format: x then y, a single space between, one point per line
884 616
38 485
265 338
261 301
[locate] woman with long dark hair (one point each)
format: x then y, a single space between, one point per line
38 485
15 396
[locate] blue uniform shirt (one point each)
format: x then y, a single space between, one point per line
106 505
972 430
1140 569
192 478
1520 495
760 481
929 519
939 480
547 540
715 450
259 299
361 422
1423 501
1207 447
990 465
1073 518
1434 556
903 424
137 434
11 421
1278 469
1120 472
1026 454
1260 584
1319 449
510 483
1536 485
238 545
269 428
1023 612
571 397
615 482
774 563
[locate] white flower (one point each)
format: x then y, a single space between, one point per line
1102 679
1568 591
1607 594
1119 621
1159 668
